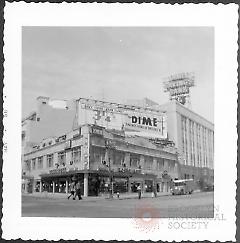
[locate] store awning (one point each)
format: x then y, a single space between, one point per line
26 177
62 174
98 172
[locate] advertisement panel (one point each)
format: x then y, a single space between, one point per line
133 120
146 125
178 86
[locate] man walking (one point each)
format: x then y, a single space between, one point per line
78 191
72 190
139 190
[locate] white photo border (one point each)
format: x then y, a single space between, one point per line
224 19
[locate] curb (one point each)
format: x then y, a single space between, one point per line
55 197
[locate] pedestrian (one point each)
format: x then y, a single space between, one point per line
78 191
155 191
72 190
139 189
118 194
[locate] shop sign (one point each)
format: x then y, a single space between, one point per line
76 143
97 131
68 144
102 169
58 171
85 152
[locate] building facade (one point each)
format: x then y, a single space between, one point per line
115 147
51 118
102 160
193 136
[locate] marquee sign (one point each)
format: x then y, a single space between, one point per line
132 120
178 86
58 171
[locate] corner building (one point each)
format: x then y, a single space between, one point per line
95 156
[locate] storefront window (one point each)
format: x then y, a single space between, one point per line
76 154
40 162
62 158
50 160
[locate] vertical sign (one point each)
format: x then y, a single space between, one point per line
85 151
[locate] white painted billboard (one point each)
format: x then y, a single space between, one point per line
132 119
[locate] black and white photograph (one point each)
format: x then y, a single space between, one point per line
120 122
113 116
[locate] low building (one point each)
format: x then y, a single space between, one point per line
51 118
102 160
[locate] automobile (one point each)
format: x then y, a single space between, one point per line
208 188
181 187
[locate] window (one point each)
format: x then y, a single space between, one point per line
62 158
40 162
134 160
28 165
171 165
148 162
200 145
160 164
33 164
76 154
184 138
192 142
50 160
23 136
118 158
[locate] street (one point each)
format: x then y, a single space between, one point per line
198 205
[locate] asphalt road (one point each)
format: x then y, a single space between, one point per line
198 205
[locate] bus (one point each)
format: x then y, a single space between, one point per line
181 187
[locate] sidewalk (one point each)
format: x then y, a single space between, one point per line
122 196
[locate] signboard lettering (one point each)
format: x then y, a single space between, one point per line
178 86
132 120
145 121
58 171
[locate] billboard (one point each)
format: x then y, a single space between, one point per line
132 120
178 86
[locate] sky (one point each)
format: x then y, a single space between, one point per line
116 63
